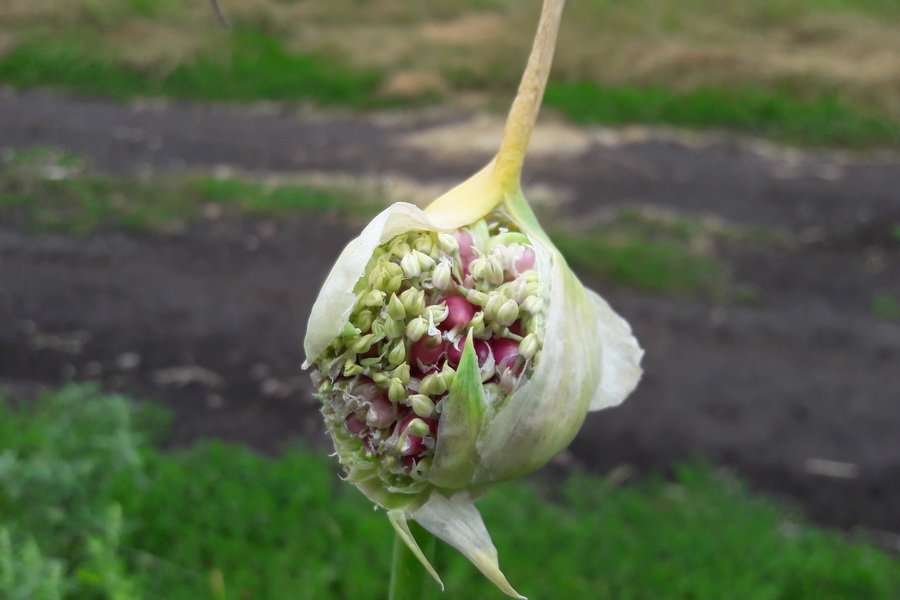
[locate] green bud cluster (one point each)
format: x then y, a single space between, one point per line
383 379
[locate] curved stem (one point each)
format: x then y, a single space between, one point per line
481 193
527 104
409 579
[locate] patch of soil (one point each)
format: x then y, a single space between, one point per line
799 391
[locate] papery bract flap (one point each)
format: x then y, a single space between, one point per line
456 521
336 299
620 356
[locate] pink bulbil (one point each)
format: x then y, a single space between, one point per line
366 390
459 312
381 412
455 350
466 245
506 351
414 444
466 248
354 424
428 350
525 259
516 328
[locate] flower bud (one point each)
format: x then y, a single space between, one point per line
493 270
362 344
433 385
395 308
396 391
441 275
393 329
477 268
436 313
448 373
448 243
411 266
364 320
351 369
533 305
508 313
476 297
369 361
416 328
401 373
398 353
413 301
529 345
492 306
393 284
399 248
425 261
516 289
476 324
376 277
422 405
350 332
424 244
535 289
374 298
418 427
392 270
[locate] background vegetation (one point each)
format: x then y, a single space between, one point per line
92 510
45 190
809 71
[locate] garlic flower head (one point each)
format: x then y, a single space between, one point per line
454 348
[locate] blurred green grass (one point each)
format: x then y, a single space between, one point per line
816 72
91 509
656 266
43 189
257 68
885 306
767 113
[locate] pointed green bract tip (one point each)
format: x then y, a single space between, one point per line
456 456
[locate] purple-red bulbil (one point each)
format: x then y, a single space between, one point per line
459 312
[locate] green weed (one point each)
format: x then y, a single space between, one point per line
219 521
761 112
39 192
778 68
255 66
25 573
885 306
62 458
654 266
255 197
658 252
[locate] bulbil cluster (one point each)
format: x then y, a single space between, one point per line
384 380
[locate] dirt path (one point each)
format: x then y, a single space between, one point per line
799 391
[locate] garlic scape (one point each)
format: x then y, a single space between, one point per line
454 348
